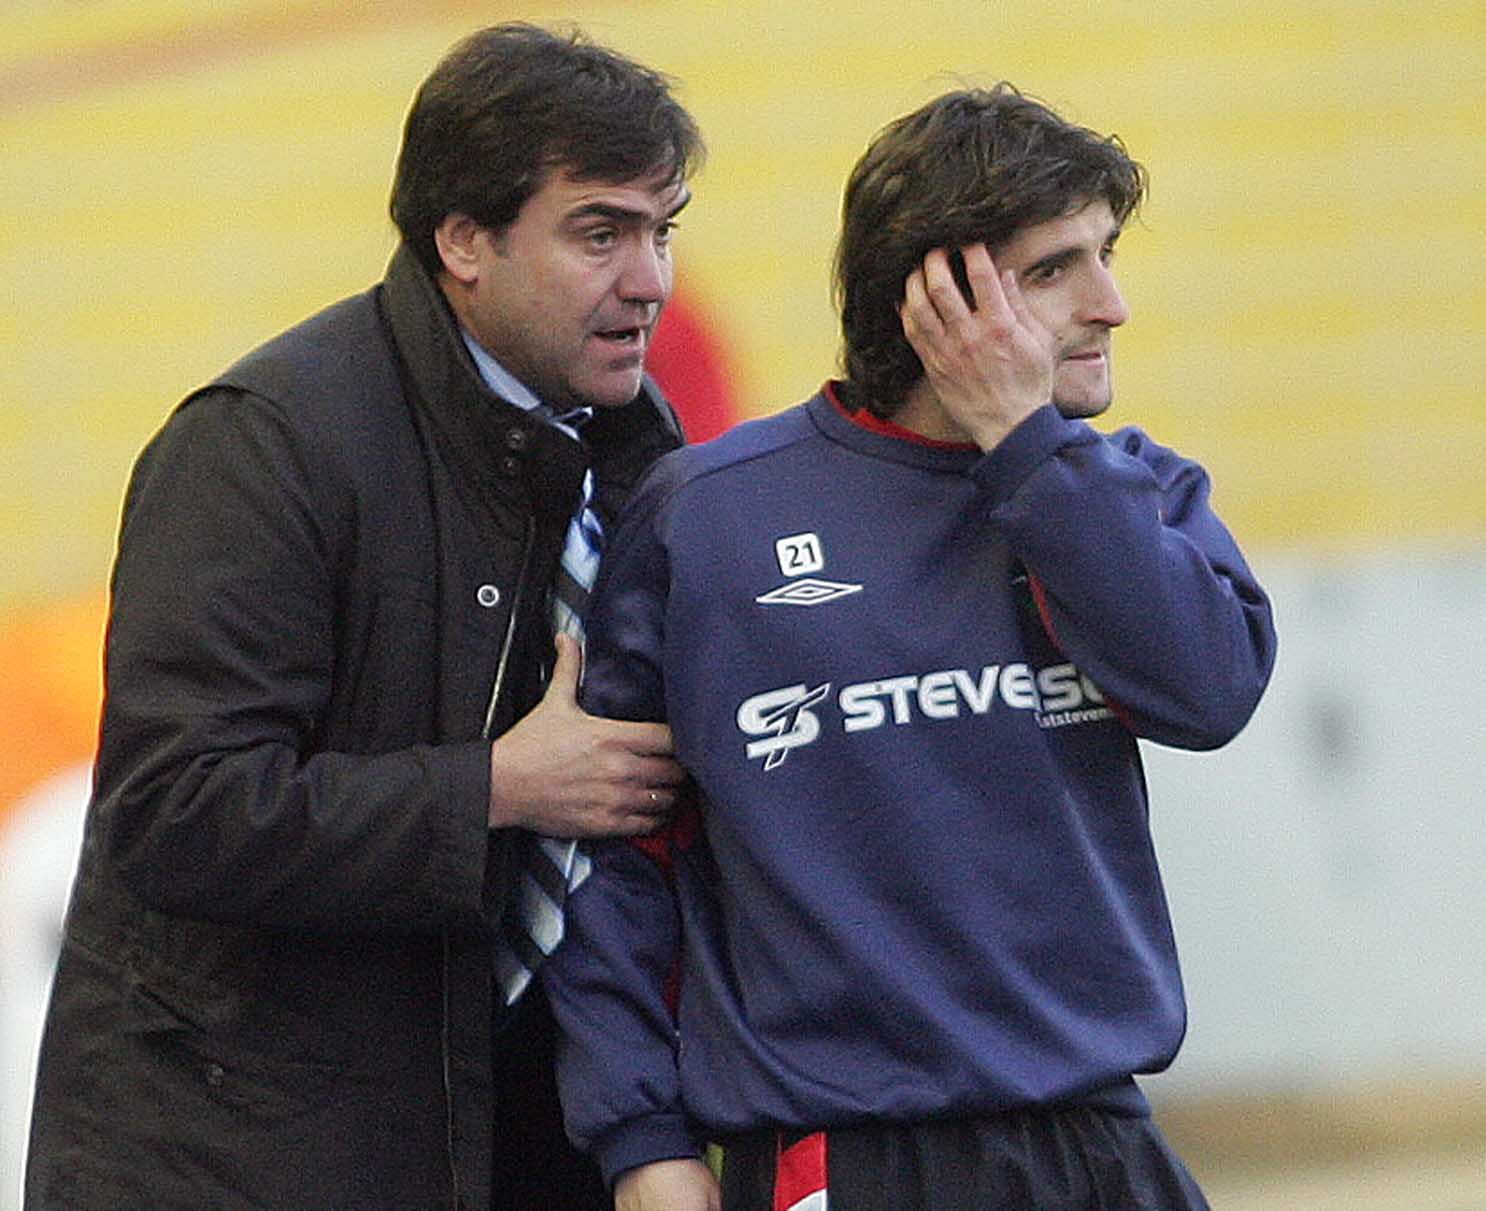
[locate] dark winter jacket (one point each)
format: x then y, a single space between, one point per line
275 989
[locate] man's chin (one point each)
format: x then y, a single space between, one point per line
1082 389
614 395
1082 409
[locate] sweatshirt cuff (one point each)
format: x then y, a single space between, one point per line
661 1137
1001 472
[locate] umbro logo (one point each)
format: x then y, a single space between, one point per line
799 554
810 591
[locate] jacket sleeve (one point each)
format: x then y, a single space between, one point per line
1137 579
215 796
611 983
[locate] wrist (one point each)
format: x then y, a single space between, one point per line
502 801
639 1143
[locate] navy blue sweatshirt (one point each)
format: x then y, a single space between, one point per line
908 682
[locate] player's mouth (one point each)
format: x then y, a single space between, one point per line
1086 356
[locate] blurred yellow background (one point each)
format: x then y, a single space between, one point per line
1308 279
1308 282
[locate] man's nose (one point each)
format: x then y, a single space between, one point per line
647 275
1103 302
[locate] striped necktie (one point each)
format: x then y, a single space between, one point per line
552 867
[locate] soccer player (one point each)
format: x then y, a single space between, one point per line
912 946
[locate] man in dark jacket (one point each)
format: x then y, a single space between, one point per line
335 716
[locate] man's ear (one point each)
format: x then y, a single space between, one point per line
457 238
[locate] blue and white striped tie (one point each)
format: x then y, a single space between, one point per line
579 566
552 867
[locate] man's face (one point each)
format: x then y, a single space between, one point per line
567 296
1063 267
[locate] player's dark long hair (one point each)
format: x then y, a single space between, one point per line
970 166
509 103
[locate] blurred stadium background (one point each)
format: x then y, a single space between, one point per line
1308 281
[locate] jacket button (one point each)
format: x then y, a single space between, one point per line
487 595
215 1075
516 439
510 466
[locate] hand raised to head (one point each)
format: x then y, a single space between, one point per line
991 364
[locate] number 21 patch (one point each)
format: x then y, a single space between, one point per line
799 553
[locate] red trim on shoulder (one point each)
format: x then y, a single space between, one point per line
886 428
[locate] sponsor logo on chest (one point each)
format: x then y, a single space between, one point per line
788 718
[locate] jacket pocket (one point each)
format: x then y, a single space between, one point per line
218 1067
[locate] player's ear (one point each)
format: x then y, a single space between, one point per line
458 238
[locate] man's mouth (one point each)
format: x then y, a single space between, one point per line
624 338
1084 355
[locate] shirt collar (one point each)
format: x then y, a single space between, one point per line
502 381
875 424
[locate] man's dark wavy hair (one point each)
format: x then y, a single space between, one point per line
509 104
972 165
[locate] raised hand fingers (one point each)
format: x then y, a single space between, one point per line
931 297
935 306
987 359
925 303
1010 291
916 310
987 283
934 283
942 290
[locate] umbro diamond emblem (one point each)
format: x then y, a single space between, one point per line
808 592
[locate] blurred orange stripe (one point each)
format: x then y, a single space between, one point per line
51 684
206 43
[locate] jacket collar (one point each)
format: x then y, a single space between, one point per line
433 353
445 386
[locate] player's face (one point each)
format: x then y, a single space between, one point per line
1064 269
567 296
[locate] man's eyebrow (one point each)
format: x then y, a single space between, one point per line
622 214
1054 260
1066 256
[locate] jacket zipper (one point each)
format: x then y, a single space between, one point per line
458 1200
495 692
505 649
